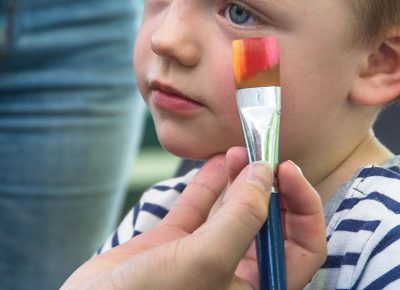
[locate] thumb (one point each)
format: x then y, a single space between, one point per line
244 210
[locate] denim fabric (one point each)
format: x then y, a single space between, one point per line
70 125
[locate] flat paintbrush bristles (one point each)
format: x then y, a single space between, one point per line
256 62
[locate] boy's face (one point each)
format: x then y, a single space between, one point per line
183 65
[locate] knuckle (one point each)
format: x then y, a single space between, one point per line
255 209
212 263
200 186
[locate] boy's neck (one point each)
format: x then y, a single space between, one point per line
369 151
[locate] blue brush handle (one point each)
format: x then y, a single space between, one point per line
270 249
259 110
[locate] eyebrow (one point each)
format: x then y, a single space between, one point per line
275 5
280 10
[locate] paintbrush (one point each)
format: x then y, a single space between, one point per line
258 96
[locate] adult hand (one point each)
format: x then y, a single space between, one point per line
190 250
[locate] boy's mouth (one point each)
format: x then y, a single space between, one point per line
169 98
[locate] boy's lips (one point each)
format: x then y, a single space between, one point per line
169 98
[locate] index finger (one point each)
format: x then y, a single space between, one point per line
192 208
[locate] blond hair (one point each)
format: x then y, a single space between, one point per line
374 17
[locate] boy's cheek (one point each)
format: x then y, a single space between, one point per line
141 58
141 79
195 139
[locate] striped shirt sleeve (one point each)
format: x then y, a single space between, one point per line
379 262
153 206
364 235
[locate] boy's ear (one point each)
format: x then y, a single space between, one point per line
378 82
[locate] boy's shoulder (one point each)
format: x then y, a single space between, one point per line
375 190
364 232
153 206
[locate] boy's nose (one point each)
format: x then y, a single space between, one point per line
177 38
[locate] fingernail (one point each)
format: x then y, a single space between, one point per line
260 175
297 167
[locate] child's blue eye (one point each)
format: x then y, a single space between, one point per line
239 15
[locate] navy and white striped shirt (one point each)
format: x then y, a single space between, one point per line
363 227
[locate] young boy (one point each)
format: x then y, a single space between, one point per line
340 66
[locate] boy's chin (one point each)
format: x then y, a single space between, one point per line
186 152
192 151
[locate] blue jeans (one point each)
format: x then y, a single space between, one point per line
70 124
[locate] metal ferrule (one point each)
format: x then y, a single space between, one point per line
260 110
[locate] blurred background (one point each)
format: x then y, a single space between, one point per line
387 128
77 146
